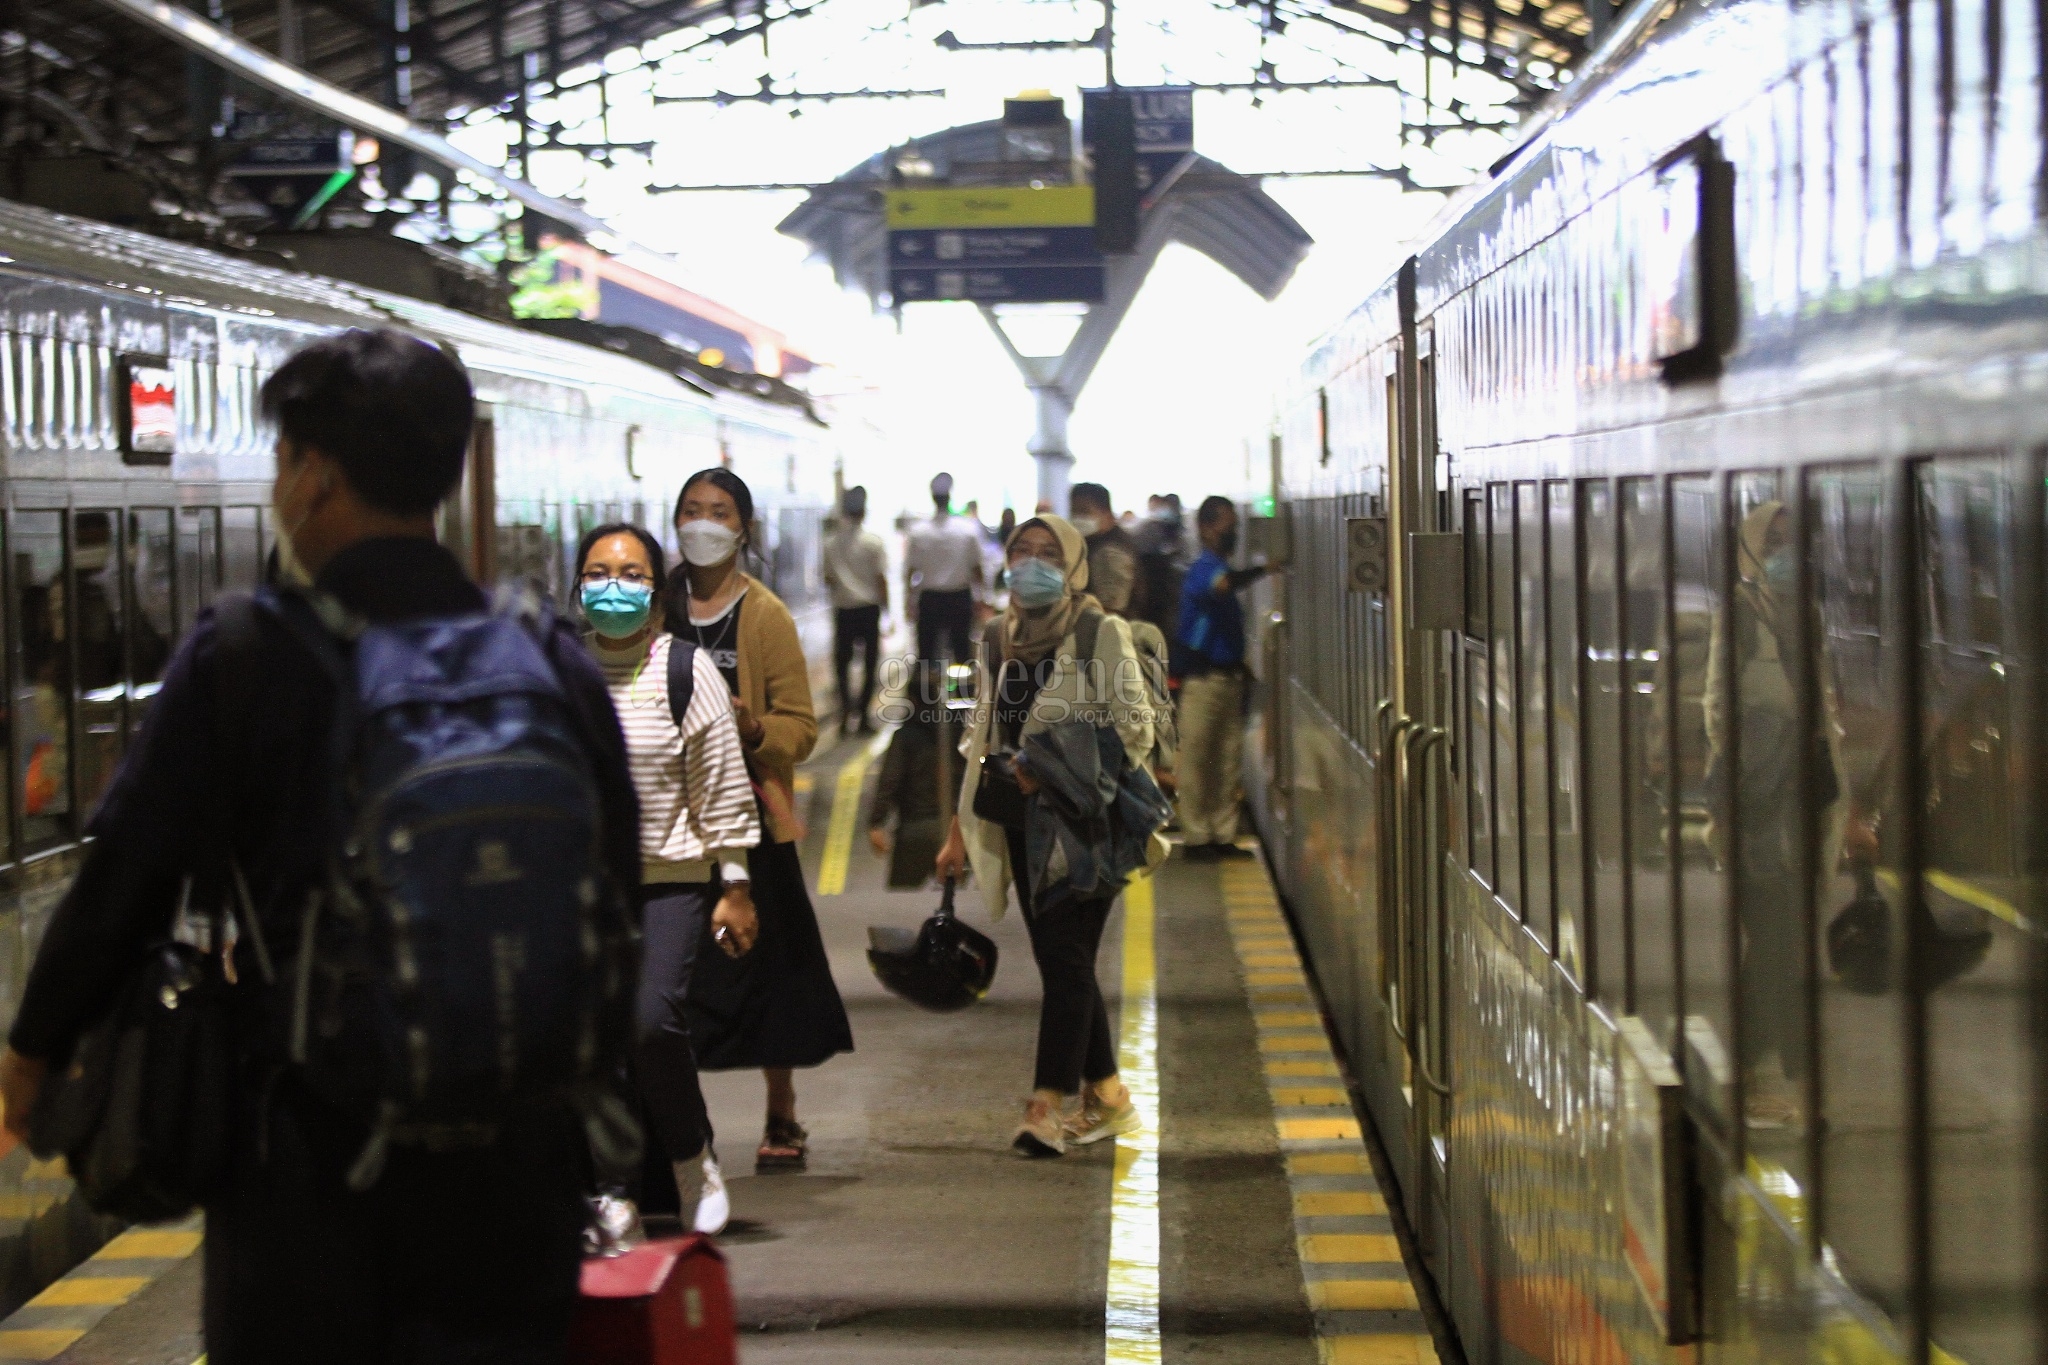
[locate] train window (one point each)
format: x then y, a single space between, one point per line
95 611
1974 654
1755 656
7 789
1475 565
1478 744
42 715
1533 718
1700 732
1607 973
1507 791
152 618
241 548
1863 1067
1646 776
1562 655
198 561
525 542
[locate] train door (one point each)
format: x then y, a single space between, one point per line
1411 745
1421 770
469 517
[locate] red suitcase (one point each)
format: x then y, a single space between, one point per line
665 1303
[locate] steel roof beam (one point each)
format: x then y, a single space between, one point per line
352 111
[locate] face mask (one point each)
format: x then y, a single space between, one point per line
706 543
290 572
1226 544
1035 583
1778 569
617 609
1087 526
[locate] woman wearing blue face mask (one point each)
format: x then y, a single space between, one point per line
1033 650
697 818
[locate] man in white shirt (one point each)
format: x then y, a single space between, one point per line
941 573
857 572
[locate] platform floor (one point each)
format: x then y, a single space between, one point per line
916 1236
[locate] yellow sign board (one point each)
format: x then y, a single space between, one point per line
993 207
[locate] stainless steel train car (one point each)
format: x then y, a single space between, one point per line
137 473
1650 739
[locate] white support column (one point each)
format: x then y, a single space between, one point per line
1056 381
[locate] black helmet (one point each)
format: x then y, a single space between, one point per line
943 966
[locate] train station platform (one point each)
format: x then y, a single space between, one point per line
1244 1224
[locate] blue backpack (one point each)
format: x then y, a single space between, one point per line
468 957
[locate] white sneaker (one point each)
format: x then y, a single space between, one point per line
714 1205
689 1187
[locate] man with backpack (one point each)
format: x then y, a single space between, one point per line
418 812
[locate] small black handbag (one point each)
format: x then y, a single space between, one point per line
997 797
141 1110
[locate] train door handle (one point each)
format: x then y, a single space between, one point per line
1424 741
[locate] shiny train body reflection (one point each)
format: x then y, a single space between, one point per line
111 548
1697 700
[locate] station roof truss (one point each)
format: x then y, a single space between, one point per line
82 76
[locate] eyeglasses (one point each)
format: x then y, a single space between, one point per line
639 578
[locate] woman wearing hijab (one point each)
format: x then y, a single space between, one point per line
777 1007
1761 635
1038 682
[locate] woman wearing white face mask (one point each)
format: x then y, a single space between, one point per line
777 1008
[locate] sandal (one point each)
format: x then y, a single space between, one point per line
785 1146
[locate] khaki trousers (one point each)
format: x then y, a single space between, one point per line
1211 750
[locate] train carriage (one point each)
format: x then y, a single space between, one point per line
137 475
1651 721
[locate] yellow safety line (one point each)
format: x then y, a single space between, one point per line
845 811
1343 1271
1131 1319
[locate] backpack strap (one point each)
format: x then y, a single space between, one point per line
682 676
1087 630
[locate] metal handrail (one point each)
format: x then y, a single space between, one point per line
1431 737
1389 820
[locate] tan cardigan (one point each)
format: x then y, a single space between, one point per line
775 685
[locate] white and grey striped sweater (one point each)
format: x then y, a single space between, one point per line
696 803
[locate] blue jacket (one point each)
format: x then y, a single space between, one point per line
1211 633
1087 828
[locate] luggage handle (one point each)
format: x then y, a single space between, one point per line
945 910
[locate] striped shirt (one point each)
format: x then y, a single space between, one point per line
696 802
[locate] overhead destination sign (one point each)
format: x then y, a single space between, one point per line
1001 284
991 246
994 245
991 207
1163 118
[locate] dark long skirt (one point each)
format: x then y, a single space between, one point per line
777 1006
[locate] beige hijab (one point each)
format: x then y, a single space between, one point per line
1032 633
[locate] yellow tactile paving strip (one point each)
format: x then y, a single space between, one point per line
1365 1306
52 1322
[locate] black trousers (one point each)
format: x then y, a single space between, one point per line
1074 1043
454 1258
674 917
943 622
856 627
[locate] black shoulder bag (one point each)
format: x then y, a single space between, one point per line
142 1110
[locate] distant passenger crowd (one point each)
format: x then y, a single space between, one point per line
409 923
